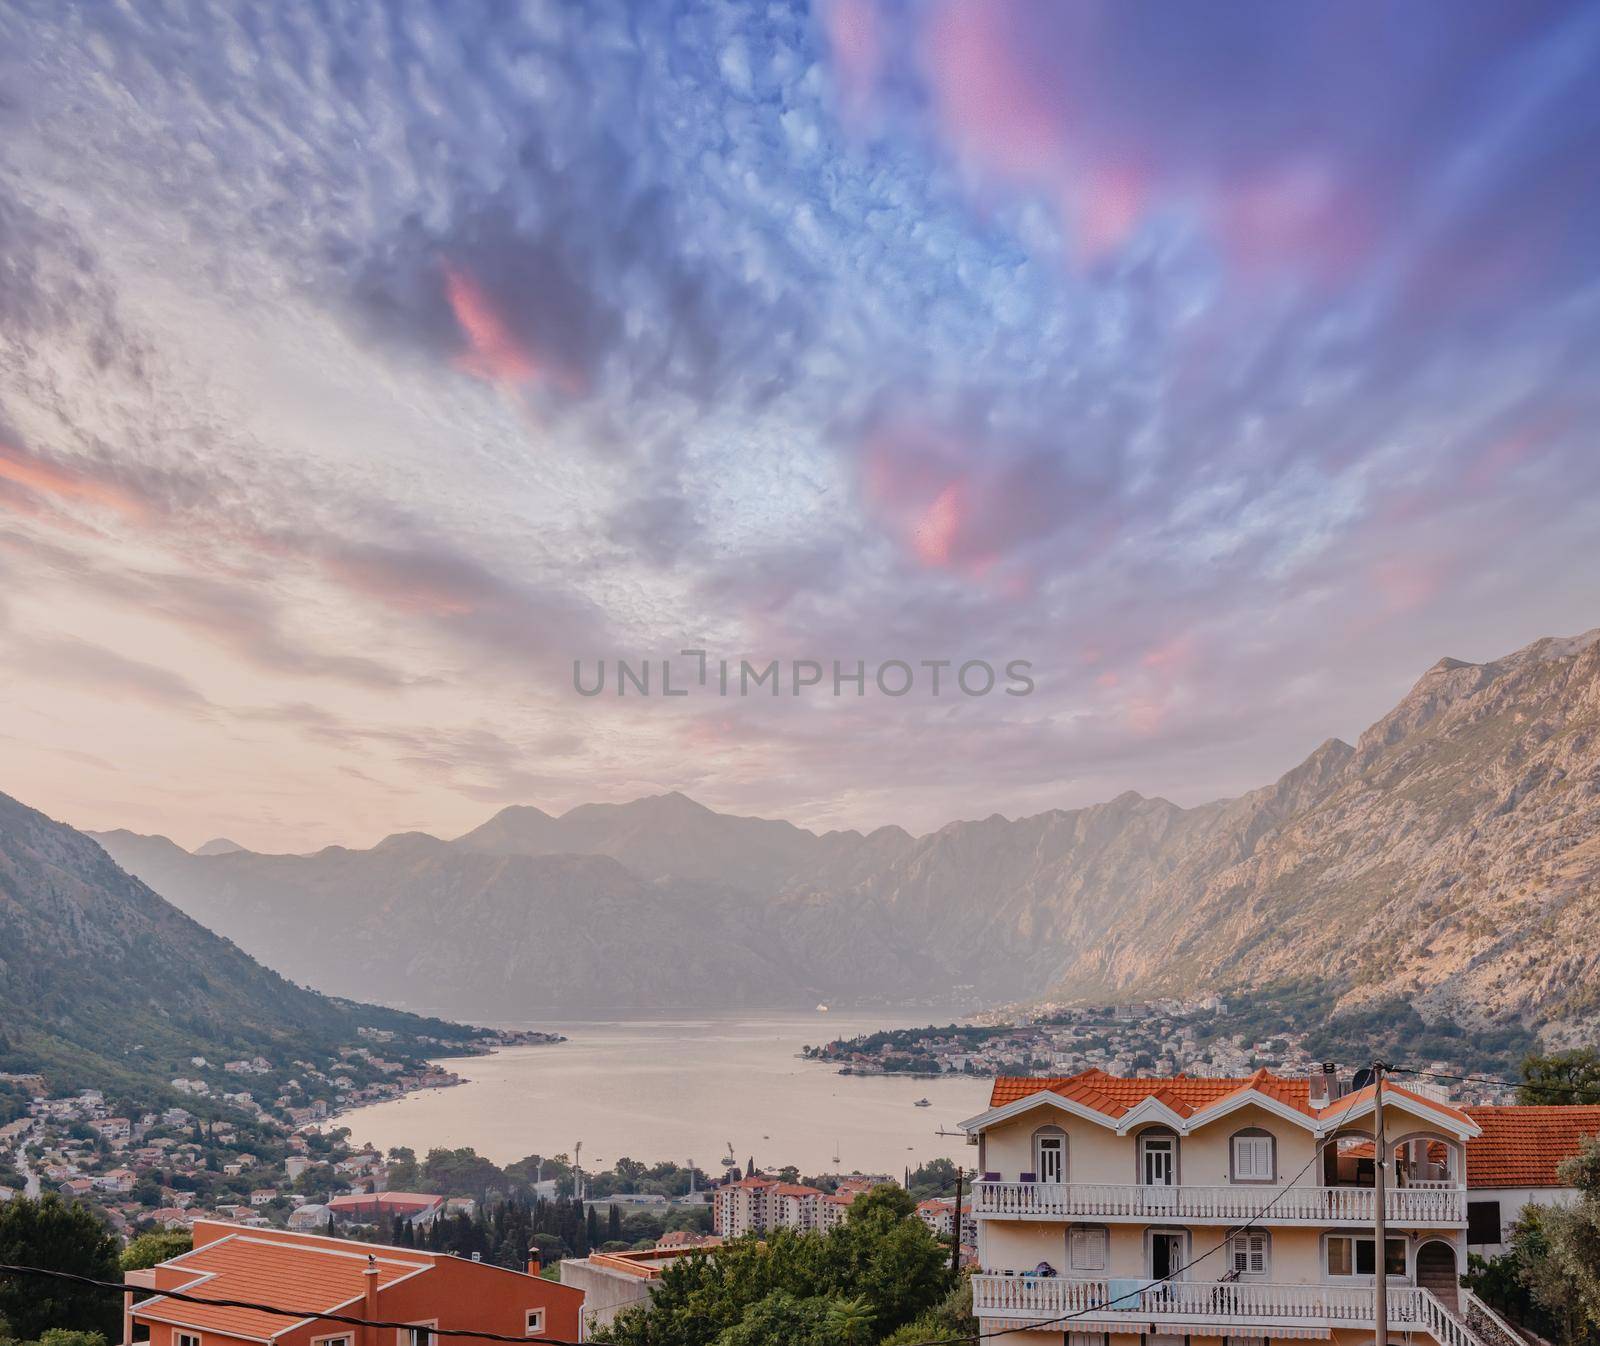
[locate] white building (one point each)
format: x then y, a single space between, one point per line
1109 1211
1515 1161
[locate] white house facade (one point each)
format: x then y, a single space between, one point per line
1109 1212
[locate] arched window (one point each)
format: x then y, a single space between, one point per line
1253 1155
1050 1154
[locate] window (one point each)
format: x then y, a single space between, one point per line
186 1339
1050 1155
418 1334
1254 1159
1086 1249
1247 1253
1351 1255
535 1322
1158 1161
1483 1222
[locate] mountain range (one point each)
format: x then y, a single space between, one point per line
104 984
1450 857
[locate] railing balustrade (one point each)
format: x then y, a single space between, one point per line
1220 1303
1428 1206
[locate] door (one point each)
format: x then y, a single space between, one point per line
1158 1172
1052 1150
1157 1160
1436 1271
1166 1255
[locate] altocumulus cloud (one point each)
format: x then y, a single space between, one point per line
398 356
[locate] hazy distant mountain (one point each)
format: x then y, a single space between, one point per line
1452 854
104 983
218 846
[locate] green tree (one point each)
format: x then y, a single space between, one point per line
880 1271
53 1235
64 1336
462 1172
404 1175
1558 1249
157 1246
850 1320
68 1337
1562 1077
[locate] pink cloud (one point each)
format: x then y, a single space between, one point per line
495 353
855 40
40 476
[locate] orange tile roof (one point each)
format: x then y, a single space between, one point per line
400 1201
1354 1100
267 1271
1521 1145
1115 1095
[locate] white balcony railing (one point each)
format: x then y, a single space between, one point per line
1430 1207
1215 1304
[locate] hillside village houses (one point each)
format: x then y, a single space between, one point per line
1106 1206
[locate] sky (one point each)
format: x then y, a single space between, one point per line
362 367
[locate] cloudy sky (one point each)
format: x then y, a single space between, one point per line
362 366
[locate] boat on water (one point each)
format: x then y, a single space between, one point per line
922 1103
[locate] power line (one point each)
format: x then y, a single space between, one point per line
1553 1086
122 1287
1227 1238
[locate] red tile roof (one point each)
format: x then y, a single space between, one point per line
397 1201
267 1271
1522 1145
1391 1090
1115 1095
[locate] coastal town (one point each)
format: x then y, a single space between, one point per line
253 1141
1201 1036
1040 1224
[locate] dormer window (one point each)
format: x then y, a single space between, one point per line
1158 1160
1050 1154
1254 1156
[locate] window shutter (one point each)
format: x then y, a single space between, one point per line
1252 1158
1088 1250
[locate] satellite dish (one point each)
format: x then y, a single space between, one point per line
1363 1078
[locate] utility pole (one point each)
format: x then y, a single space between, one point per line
1380 1146
955 1228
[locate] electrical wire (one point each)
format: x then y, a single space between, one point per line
301 1314
1552 1086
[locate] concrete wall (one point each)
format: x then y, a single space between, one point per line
606 1292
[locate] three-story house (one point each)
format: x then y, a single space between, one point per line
1141 1212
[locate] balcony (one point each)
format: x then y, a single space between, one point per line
1430 1207
1211 1308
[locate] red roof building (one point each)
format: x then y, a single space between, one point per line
1522 1146
302 1275
368 1207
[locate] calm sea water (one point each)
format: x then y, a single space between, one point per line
684 1088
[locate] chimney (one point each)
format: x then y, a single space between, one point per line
370 1299
533 1261
1330 1080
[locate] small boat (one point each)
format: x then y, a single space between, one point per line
922 1103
